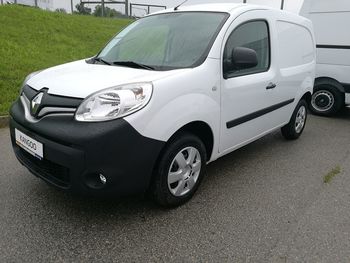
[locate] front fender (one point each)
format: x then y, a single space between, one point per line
162 123
191 95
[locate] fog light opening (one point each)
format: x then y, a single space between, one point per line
103 179
95 181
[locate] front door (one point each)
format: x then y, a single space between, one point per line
249 98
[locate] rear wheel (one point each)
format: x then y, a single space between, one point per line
179 170
327 98
296 125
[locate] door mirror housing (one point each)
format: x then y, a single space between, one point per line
243 58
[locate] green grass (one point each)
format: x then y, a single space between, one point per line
32 39
328 177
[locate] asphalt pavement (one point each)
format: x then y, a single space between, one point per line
266 202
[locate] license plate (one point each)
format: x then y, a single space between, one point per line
27 143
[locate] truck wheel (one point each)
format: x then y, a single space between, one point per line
327 98
296 125
179 171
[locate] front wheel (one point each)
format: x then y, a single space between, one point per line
296 125
179 170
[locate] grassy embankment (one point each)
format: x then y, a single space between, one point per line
32 39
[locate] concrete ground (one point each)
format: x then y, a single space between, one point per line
266 202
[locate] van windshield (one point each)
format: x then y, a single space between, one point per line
165 41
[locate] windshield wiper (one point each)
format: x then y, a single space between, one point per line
132 64
102 60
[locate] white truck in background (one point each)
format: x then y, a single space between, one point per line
331 21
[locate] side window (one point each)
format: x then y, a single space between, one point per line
253 35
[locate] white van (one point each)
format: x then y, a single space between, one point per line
167 95
331 21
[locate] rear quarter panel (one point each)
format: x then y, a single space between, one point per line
296 55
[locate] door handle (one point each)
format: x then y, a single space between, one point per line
271 86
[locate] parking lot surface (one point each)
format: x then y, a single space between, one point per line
266 202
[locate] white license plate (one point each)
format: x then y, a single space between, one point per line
32 146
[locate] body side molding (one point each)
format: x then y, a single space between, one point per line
333 46
257 114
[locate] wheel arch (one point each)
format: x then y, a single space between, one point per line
200 129
331 81
307 97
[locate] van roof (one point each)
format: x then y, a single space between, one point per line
214 7
231 8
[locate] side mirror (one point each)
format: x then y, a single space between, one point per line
244 58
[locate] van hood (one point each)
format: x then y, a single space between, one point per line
80 79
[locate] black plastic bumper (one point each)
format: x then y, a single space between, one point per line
75 153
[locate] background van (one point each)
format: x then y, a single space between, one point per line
331 21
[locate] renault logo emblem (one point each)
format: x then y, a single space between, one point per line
35 104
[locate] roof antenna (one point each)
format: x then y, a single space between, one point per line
177 7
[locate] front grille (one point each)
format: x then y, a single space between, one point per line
52 172
49 104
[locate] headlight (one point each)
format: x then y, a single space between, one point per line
113 103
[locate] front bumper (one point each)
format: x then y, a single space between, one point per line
75 153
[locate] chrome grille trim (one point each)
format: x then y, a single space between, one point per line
46 111
55 110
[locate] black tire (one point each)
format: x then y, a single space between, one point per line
160 189
327 99
291 131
